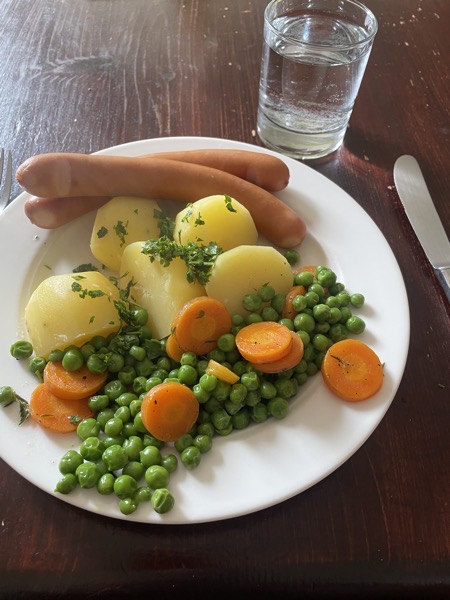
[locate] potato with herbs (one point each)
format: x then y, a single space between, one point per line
71 309
162 290
120 222
245 269
218 219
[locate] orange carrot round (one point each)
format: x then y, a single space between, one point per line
289 361
56 414
289 311
264 341
199 323
72 385
173 349
169 410
352 370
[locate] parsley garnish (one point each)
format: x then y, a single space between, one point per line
84 268
166 225
199 259
121 231
83 292
228 203
102 232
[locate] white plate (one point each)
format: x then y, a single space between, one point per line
264 464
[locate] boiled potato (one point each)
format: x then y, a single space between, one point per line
245 269
218 219
161 290
120 222
57 315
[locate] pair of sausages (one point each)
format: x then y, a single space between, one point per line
66 186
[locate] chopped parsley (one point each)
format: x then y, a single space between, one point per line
83 292
102 232
229 203
199 259
121 231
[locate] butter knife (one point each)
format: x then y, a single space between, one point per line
421 212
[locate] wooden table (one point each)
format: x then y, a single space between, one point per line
81 76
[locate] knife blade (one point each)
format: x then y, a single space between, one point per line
421 212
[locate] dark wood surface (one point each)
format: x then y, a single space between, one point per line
81 76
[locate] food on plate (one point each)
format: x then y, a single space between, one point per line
219 219
73 384
71 309
352 370
55 413
120 222
244 269
169 410
262 169
160 289
56 178
199 324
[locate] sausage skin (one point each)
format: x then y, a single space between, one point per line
58 181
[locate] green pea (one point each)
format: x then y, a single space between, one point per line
37 365
220 419
321 313
113 440
115 457
292 256
289 323
226 430
70 461
253 317
226 342
137 352
134 469
92 449
162 501
151 382
113 426
67 483
142 494
222 390
278 407
299 302
357 300
124 486
127 506
311 299
277 303
286 388
338 332
88 428
7 395
105 485
304 322
156 476
253 398
169 462
133 445
98 402
304 278
208 382
317 289
301 378
238 393
127 375
241 420
188 375
150 455
304 336
21 349
320 341
150 440
201 395
96 364
268 390
344 298
355 325
103 416
189 358
72 360
206 428
115 363
88 475
268 313
251 302
114 389
86 351
250 380
266 293
130 429
190 457
203 443
259 413
335 315
123 413
312 369
139 423
326 277
183 442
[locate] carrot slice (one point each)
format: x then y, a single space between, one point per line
56 414
173 349
264 341
221 372
292 358
289 311
169 410
352 370
72 385
199 323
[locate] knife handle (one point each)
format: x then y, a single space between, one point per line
444 280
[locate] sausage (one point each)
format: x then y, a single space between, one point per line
264 170
53 177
